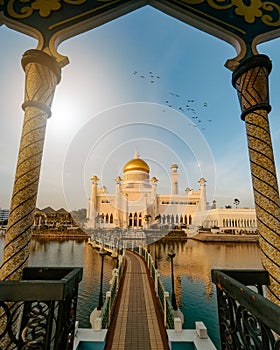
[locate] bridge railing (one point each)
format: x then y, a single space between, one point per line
106 309
108 246
247 319
168 312
164 300
39 311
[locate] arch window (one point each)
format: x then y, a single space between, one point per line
130 220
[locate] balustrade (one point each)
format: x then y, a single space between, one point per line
165 303
39 311
247 319
111 295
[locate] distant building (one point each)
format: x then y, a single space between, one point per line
136 204
233 220
4 215
51 219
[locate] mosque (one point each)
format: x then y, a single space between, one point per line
137 205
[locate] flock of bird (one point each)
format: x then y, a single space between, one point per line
174 100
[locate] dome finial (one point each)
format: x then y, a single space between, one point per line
136 154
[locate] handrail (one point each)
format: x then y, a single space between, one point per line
105 313
40 309
246 318
163 296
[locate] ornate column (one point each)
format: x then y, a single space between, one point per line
42 75
251 81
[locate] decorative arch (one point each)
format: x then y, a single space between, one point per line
244 24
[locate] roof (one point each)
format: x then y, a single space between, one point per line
48 210
62 211
136 164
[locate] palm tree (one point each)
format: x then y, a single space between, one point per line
236 201
158 217
147 218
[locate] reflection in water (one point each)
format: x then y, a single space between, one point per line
44 252
195 293
192 265
89 286
196 259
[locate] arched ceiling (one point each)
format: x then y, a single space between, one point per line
243 23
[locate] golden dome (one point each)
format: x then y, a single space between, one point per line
136 164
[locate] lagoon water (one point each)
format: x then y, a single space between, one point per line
193 262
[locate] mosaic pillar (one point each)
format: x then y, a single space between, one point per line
251 81
42 75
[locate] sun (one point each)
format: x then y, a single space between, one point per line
65 116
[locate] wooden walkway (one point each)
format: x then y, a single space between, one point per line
137 321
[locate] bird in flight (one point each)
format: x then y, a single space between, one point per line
176 101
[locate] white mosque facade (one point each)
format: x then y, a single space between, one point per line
136 204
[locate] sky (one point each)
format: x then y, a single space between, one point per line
144 82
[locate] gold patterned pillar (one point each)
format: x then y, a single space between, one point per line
42 75
251 81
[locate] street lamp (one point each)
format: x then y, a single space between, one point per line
172 255
117 246
155 253
102 253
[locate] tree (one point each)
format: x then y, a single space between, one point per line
147 219
158 217
236 201
79 214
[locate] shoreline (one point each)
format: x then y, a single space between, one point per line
67 234
173 235
225 238
205 237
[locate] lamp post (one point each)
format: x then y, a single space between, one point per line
100 302
172 255
155 253
117 246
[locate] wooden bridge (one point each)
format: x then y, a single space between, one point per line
137 313
137 322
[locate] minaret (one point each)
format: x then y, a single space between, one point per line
202 201
88 208
154 196
154 186
93 207
125 218
117 201
174 179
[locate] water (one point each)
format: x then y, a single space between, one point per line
193 262
74 254
195 293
